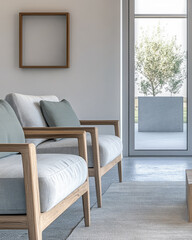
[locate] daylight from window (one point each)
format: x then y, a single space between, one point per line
160 74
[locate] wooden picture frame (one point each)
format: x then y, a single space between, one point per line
44 40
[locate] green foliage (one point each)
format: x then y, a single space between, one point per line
159 63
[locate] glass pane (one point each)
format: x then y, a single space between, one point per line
160 83
160 7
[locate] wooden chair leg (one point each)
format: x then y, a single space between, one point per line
98 188
86 208
29 160
34 232
120 171
97 168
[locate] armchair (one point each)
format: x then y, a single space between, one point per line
104 151
33 192
97 166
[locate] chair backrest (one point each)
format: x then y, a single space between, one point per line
27 109
10 128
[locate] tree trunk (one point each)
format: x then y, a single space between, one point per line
153 90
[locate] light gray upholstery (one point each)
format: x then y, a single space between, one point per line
27 109
110 147
59 175
59 114
10 128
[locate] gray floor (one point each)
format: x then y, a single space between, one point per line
161 140
134 169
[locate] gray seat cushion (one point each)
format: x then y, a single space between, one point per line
110 147
59 175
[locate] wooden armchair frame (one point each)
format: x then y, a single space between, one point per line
97 171
34 220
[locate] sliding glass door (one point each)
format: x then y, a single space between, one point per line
159 77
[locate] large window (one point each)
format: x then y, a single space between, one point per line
159 83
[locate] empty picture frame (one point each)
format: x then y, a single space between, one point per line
43 40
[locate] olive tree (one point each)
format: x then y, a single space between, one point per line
159 63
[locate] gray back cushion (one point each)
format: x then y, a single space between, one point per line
59 114
10 128
27 109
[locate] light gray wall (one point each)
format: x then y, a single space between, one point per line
92 82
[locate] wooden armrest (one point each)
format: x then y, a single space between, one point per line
99 122
52 133
60 133
21 148
115 123
52 129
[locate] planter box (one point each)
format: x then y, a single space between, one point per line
160 114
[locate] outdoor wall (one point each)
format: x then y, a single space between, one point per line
92 82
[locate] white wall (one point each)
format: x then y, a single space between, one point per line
92 82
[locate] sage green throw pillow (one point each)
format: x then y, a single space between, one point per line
10 128
59 114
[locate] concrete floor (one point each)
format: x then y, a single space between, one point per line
134 169
161 140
